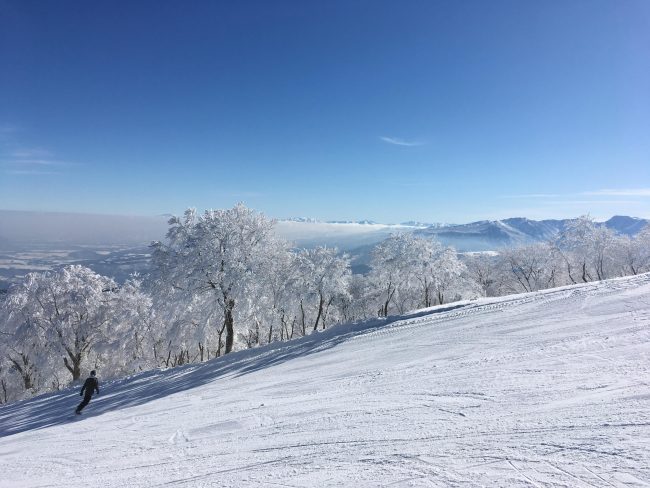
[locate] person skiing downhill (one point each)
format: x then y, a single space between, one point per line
90 385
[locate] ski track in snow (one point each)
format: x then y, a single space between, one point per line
536 390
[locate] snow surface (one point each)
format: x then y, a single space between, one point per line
543 389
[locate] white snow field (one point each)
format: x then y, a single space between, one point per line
543 389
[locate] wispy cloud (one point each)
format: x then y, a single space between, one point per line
624 192
32 161
30 172
533 195
401 142
589 202
20 159
37 162
31 153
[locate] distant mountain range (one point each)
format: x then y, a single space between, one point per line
488 235
46 229
410 223
118 245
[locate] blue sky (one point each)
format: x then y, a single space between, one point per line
391 111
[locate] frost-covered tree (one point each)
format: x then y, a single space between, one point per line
409 272
189 328
531 268
393 269
445 275
274 309
217 255
324 277
21 349
483 269
360 300
66 311
602 250
633 253
132 337
587 250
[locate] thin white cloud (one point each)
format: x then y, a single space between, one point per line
31 153
590 202
620 192
623 192
31 161
533 195
401 142
30 172
37 162
33 167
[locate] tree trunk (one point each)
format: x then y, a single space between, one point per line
302 314
327 309
228 321
568 270
219 341
389 296
321 302
24 369
74 365
169 354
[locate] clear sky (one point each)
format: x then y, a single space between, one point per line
403 110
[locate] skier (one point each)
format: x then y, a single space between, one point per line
91 384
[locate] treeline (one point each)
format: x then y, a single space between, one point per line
222 281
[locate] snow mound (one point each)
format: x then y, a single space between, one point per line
543 389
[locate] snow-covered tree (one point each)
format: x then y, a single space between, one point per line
132 333
410 272
444 274
586 249
324 278
633 253
66 311
394 266
531 268
483 269
274 308
217 255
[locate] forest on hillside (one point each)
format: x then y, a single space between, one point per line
223 281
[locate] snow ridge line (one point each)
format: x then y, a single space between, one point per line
499 304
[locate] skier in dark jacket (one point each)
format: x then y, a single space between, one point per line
90 385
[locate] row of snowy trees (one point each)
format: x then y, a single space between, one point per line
222 280
583 252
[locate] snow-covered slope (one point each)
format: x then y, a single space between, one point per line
544 389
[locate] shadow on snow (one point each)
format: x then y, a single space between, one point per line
58 408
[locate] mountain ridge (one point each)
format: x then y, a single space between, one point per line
486 235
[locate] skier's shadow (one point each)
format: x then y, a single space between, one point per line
58 408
